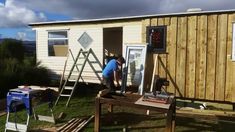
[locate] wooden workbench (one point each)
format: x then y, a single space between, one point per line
135 101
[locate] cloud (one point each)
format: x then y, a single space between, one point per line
84 9
21 35
13 15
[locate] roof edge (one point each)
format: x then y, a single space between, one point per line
127 17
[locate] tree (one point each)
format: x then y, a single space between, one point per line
11 48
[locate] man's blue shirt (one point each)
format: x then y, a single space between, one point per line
110 68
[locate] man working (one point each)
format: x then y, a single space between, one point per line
110 73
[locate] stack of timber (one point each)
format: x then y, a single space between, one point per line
74 125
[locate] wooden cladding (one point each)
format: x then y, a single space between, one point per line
198 60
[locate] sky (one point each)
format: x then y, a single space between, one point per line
15 15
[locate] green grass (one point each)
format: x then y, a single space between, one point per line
134 120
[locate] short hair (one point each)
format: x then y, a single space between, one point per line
121 59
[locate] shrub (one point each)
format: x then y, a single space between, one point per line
17 69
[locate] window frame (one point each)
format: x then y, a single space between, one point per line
58 38
233 43
151 47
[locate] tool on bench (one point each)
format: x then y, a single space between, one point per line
158 94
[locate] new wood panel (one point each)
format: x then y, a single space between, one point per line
171 48
162 73
201 57
221 57
191 57
211 59
181 55
229 69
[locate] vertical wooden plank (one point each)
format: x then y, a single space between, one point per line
233 84
167 21
162 73
160 22
149 63
181 55
201 57
171 48
211 57
221 57
191 57
229 76
154 22
145 23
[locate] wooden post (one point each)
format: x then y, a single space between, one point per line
154 71
169 120
110 109
97 114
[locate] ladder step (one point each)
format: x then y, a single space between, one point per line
84 51
68 88
72 80
98 71
93 61
65 95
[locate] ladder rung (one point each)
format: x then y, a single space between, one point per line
84 51
93 62
72 80
81 58
98 71
68 88
65 95
79 64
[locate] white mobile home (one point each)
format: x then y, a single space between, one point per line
196 49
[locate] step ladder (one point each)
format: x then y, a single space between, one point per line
82 56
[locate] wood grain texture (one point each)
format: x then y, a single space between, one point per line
201 57
229 69
211 57
181 55
171 48
221 57
191 57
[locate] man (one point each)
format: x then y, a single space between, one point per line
110 73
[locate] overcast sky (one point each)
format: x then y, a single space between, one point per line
15 15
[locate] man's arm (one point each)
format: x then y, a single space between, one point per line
116 78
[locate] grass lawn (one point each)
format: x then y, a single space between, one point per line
134 120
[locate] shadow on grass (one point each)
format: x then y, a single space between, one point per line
128 121
206 123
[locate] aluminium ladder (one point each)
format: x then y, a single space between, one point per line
81 56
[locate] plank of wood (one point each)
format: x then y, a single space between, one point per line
145 23
211 57
154 71
84 124
62 127
171 48
233 84
201 57
103 92
181 55
229 69
162 73
221 57
191 57
160 21
72 125
154 22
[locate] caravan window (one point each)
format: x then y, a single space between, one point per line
57 43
